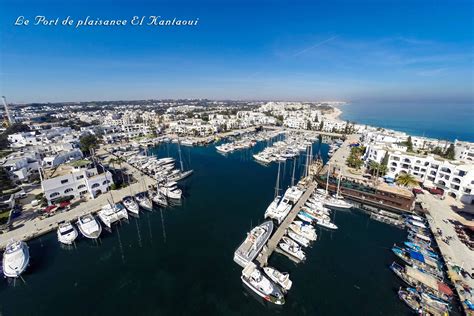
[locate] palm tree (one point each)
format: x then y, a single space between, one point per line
373 167
406 180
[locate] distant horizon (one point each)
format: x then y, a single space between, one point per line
240 50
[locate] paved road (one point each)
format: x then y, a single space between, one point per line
280 232
440 211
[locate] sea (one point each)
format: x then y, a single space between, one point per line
179 260
446 121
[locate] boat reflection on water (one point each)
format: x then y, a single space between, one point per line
247 292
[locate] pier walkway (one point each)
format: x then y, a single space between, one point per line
37 226
273 242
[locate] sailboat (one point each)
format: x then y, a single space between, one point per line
274 204
183 173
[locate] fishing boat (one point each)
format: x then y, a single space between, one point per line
298 238
110 214
15 259
89 226
292 248
261 285
280 278
411 298
67 233
131 205
423 250
253 244
143 201
415 258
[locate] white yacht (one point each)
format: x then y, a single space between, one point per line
280 278
15 259
110 214
158 198
305 217
272 207
298 238
170 190
263 287
89 226
67 233
305 230
131 205
292 248
324 221
253 244
282 210
293 194
144 201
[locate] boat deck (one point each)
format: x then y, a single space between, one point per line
273 242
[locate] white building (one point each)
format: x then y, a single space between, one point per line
79 179
62 157
455 178
464 151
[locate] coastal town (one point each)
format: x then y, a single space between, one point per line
74 169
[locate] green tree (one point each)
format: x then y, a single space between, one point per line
449 153
321 125
407 180
409 144
385 159
88 142
308 125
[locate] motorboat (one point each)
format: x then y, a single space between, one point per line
254 279
298 238
143 201
67 233
158 198
171 191
305 217
280 278
89 226
305 230
15 259
253 244
325 222
110 214
131 205
292 248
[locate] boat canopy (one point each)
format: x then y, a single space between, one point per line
417 256
421 277
445 289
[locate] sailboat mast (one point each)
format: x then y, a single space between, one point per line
293 174
327 179
180 159
338 185
278 181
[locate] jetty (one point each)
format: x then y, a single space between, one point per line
273 242
37 226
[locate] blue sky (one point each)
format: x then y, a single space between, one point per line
286 50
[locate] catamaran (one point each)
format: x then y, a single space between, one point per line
67 233
15 259
261 285
89 226
110 214
280 278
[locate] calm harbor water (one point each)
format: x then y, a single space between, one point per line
179 262
439 120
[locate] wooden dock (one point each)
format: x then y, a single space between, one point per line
273 242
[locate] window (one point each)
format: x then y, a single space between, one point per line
81 186
64 181
54 194
105 182
80 177
95 185
67 190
